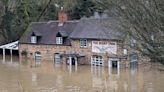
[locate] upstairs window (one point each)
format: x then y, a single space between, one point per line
125 51
59 40
33 39
83 43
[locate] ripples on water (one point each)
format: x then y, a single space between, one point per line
47 77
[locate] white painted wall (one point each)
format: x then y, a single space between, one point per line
104 47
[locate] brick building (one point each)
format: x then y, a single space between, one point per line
86 41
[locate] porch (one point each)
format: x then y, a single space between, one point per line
68 59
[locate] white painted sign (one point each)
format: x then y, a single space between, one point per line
104 47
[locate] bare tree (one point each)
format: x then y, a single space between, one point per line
143 20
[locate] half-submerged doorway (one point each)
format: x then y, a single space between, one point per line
72 61
114 65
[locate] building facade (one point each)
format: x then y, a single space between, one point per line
86 41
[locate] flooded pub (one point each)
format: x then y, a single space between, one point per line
77 42
76 56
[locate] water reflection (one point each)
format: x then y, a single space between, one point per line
49 77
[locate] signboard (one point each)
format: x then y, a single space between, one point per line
104 47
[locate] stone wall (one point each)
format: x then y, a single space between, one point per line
48 51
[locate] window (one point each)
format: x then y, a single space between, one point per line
59 40
133 57
37 57
83 43
97 60
33 39
125 51
57 58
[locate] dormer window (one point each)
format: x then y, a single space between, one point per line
59 40
33 39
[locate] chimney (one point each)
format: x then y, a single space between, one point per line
62 17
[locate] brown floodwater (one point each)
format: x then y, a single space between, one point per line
48 77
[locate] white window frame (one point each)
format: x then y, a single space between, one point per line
57 58
59 40
33 39
83 43
38 57
125 51
97 61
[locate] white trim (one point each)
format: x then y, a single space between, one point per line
59 40
33 39
97 61
110 65
13 46
125 51
57 58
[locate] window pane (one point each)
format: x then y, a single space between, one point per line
33 39
83 43
59 40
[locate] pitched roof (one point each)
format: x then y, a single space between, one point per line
48 31
86 28
95 29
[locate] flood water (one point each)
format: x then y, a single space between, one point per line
47 77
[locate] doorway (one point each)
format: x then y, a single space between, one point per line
114 64
73 61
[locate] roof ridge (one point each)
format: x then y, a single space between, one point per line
53 21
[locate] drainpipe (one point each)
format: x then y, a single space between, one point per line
4 55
